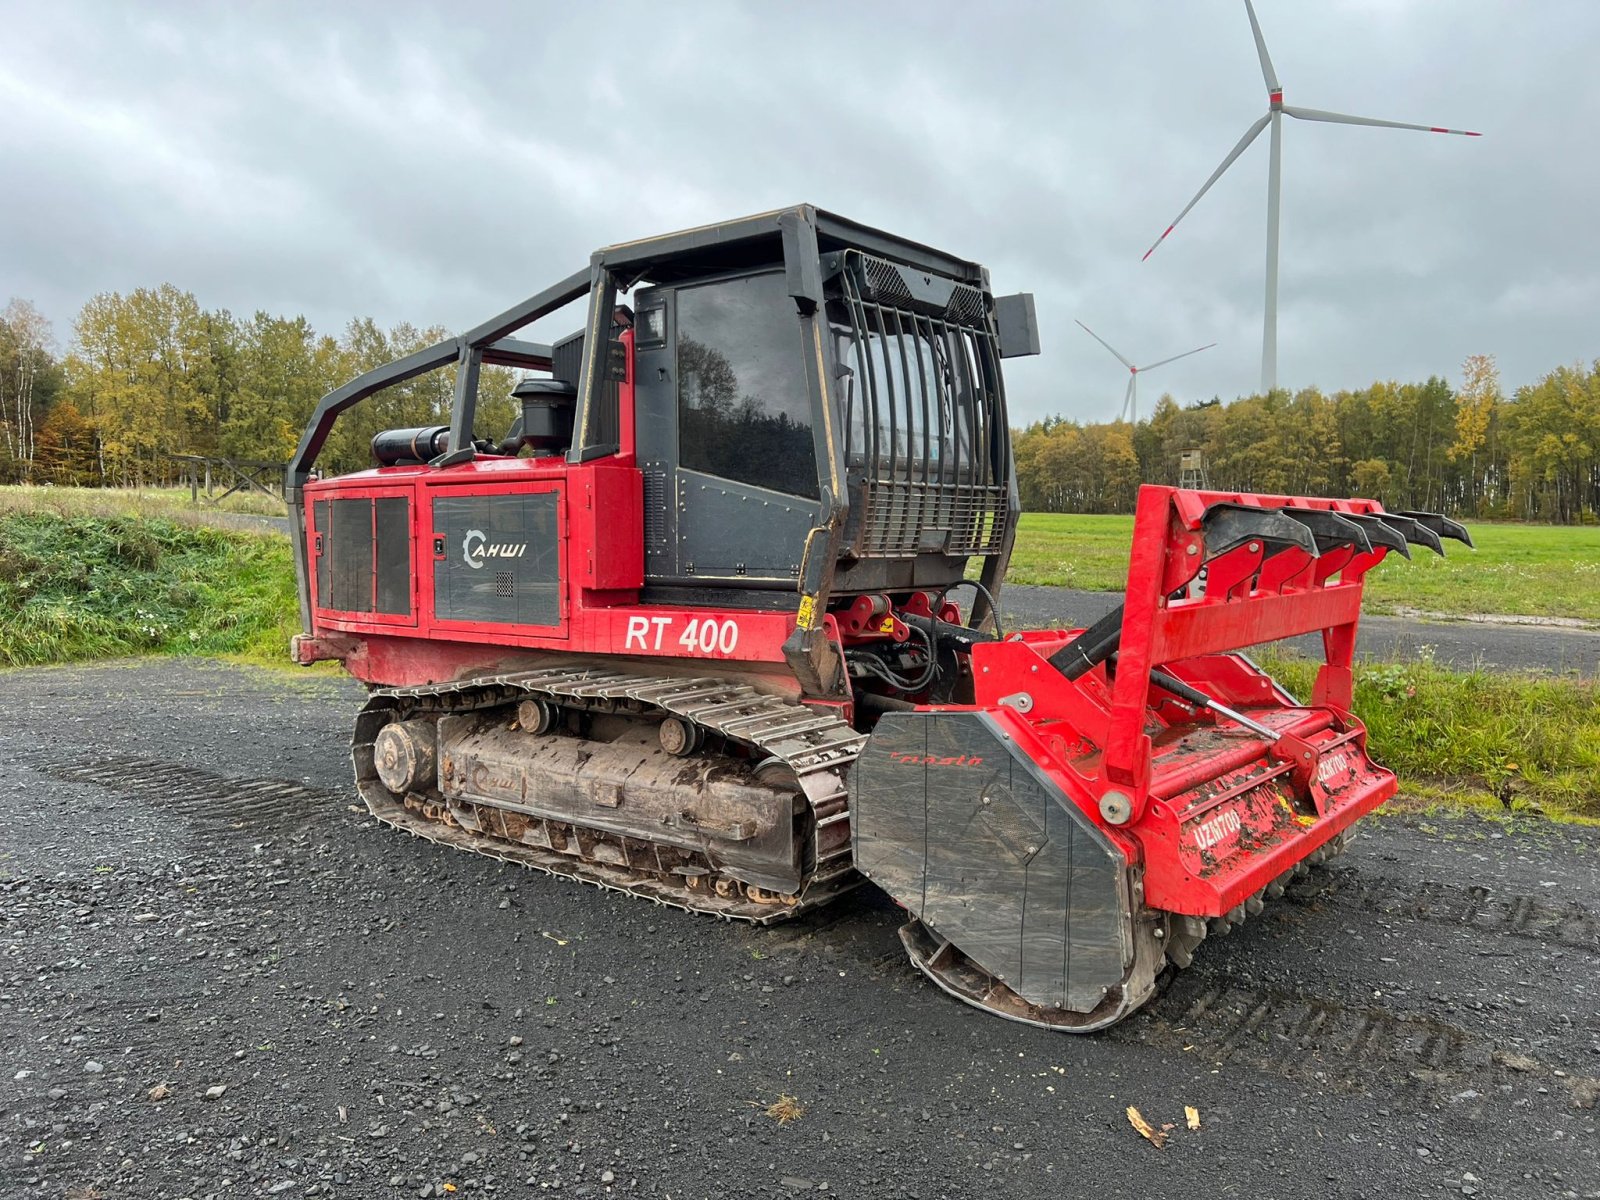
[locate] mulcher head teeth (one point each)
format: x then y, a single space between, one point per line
1380 533
1442 527
1413 530
1228 526
1330 530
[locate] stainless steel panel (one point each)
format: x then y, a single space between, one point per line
957 824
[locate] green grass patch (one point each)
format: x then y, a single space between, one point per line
171 503
1519 570
1522 570
81 587
1477 739
1067 550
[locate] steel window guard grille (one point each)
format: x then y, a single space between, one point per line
922 427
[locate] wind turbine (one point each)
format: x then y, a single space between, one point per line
1276 111
1130 398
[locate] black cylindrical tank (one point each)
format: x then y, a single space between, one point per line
547 406
395 446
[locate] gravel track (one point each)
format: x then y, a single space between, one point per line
1462 645
189 900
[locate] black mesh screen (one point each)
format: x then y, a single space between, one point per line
319 521
365 560
566 362
566 358
392 522
348 549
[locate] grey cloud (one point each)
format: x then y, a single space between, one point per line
412 163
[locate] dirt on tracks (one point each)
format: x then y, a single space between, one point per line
190 901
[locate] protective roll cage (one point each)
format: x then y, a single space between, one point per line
805 235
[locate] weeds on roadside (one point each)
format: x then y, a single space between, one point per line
95 587
1526 743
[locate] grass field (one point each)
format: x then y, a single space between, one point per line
171 503
1505 742
1523 570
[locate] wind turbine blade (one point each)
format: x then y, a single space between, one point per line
1333 118
1127 401
1104 343
1250 135
1176 357
1267 73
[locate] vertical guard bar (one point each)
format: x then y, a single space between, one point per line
463 407
993 386
811 655
596 364
1127 759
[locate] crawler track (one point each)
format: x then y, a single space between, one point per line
816 747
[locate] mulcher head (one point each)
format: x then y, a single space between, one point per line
1117 794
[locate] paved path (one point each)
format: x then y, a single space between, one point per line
1457 644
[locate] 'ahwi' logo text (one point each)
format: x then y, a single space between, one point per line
475 547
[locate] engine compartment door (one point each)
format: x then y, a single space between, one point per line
361 556
499 556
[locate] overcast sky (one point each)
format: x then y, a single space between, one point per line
395 161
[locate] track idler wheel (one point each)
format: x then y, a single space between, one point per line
405 756
538 716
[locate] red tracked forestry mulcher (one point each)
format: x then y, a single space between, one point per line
703 627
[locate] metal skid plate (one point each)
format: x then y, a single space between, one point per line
958 825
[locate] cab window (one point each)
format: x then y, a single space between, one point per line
744 412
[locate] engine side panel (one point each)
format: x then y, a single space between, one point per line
500 558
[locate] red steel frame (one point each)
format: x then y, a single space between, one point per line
1214 812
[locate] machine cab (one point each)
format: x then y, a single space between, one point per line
741 456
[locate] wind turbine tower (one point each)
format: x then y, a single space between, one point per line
1130 398
1276 111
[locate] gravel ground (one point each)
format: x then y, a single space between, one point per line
220 979
1459 644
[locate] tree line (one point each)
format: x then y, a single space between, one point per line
152 374
1468 451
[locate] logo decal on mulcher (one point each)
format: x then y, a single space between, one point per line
475 548
1331 766
933 760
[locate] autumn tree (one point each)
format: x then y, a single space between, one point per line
29 380
136 372
1476 402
